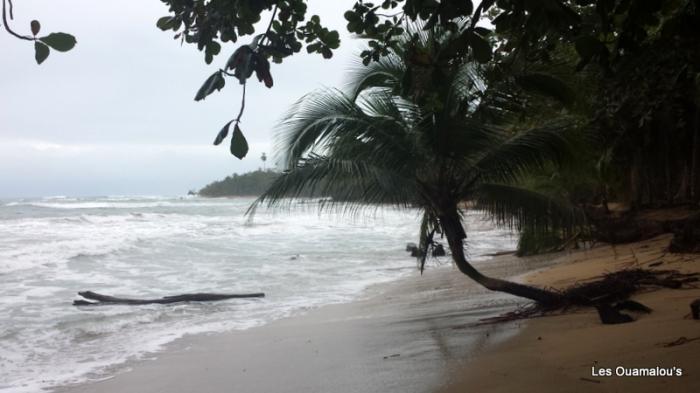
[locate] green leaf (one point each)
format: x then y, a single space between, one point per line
354 27
222 134
35 26
237 57
262 71
41 52
333 40
242 62
313 47
239 145
326 53
480 48
548 86
214 83
212 49
351 16
62 42
165 23
246 28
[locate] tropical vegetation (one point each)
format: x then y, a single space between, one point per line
247 184
397 137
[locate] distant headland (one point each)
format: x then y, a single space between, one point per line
247 184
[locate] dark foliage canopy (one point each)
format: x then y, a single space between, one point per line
644 54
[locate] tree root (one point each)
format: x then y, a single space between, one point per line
608 293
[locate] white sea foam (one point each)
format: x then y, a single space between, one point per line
110 204
158 246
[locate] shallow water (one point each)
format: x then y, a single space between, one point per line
151 246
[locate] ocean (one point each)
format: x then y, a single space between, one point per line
51 248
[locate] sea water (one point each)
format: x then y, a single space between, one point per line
147 247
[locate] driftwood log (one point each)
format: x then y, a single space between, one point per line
188 297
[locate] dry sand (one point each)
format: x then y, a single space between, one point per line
418 335
557 353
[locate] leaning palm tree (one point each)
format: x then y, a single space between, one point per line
441 149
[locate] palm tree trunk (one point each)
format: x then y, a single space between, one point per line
454 232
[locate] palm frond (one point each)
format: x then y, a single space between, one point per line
521 209
386 74
355 183
312 118
461 138
328 119
467 87
525 151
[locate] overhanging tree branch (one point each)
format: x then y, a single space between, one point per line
7 25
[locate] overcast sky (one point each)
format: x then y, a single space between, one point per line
116 115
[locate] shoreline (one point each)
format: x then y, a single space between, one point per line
405 336
418 334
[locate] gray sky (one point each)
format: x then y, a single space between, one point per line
116 114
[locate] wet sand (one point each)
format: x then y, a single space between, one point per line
557 353
407 336
418 335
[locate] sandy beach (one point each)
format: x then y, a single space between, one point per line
558 353
418 335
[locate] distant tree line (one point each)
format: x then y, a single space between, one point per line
247 184
255 183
